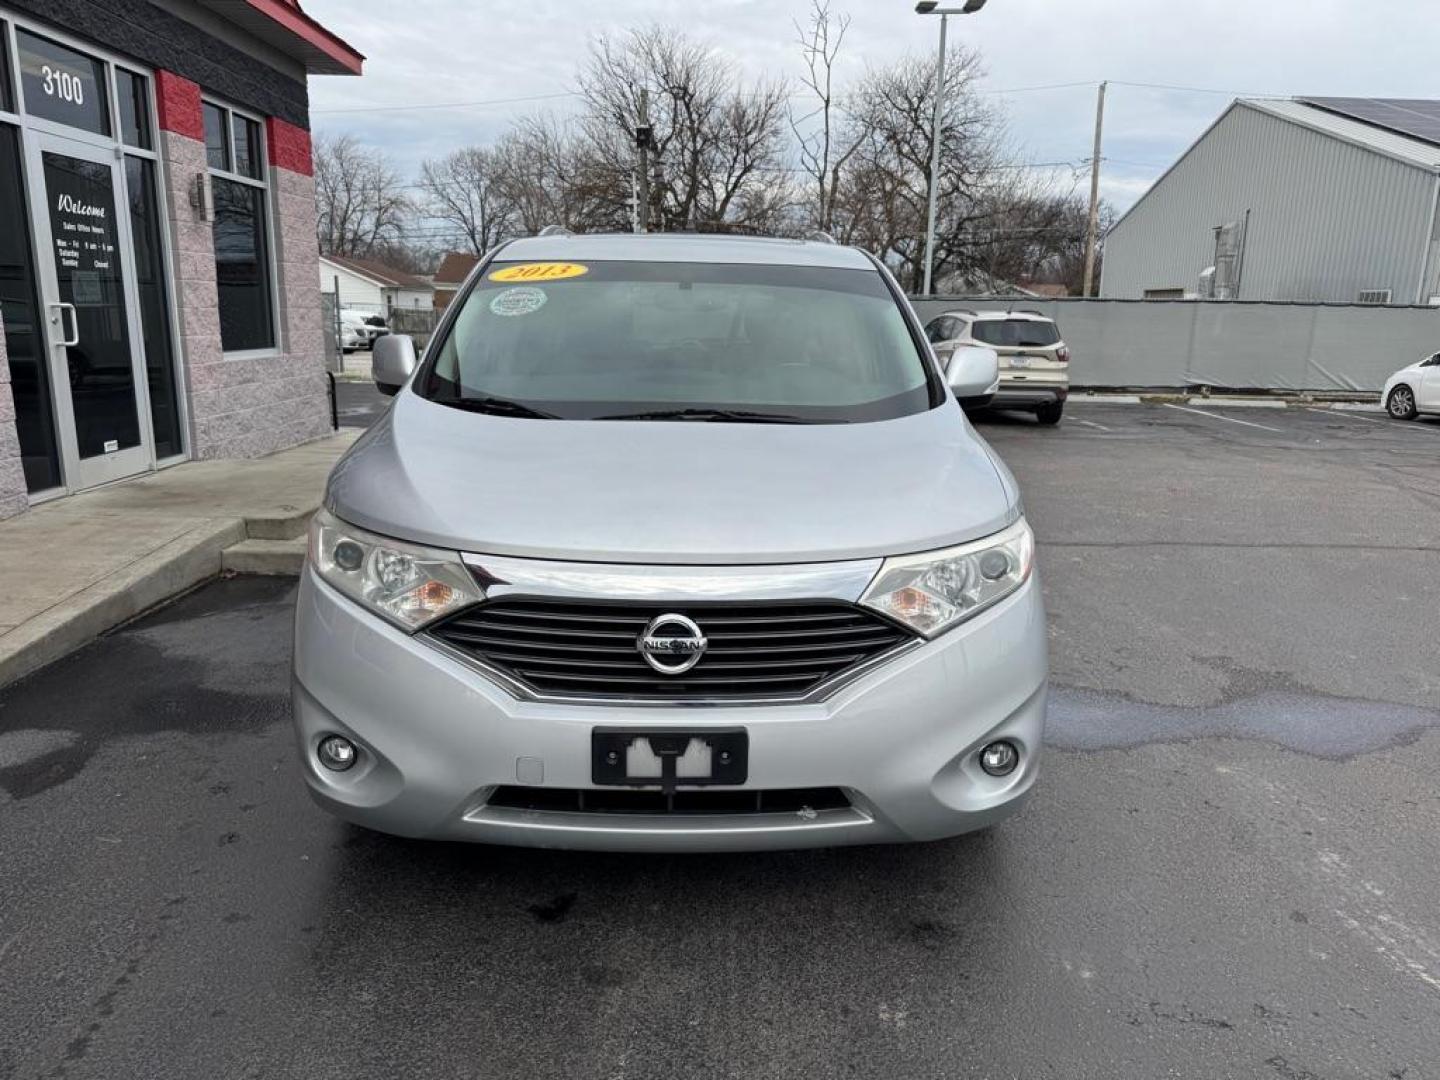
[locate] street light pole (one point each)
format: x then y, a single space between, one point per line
932 7
935 157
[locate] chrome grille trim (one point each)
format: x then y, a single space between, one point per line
504 576
581 665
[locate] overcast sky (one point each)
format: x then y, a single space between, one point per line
424 52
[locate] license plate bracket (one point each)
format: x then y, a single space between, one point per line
644 757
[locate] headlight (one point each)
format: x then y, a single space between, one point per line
940 589
407 584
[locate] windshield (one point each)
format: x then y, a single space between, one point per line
680 341
1023 333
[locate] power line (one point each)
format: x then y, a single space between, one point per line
1193 89
1031 89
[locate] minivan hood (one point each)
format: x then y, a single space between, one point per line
670 492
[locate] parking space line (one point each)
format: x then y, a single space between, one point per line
1091 423
1348 416
1229 419
1396 425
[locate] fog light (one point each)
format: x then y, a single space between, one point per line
999 758
336 753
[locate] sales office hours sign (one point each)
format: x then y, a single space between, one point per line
62 84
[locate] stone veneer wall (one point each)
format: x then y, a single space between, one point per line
244 407
13 497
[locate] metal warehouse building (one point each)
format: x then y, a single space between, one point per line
1315 199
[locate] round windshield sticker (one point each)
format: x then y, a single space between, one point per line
518 301
542 271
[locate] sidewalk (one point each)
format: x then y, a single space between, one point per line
73 568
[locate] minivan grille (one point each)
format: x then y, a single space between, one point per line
756 650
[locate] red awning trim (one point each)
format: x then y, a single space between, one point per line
289 15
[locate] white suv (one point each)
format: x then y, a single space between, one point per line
1034 360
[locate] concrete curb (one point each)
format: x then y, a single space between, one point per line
274 558
77 620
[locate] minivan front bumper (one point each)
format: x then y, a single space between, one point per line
437 738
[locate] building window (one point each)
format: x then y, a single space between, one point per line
61 84
217 148
132 95
242 236
7 99
245 137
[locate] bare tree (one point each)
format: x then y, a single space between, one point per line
724 158
360 199
463 189
543 178
716 139
881 200
822 155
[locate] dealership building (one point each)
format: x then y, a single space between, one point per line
158 258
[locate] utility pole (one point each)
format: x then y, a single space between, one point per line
935 158
1092 237
644 140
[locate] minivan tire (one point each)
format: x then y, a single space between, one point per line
1401 403
1049 413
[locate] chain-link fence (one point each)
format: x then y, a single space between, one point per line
419 323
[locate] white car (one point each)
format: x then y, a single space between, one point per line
1414 390
361 327
353 337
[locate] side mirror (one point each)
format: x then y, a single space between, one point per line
973 371
392 362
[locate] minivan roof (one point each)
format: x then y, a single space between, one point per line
684 247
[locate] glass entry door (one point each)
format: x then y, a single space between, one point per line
88 296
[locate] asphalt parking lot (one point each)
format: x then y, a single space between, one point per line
357 404
1229 870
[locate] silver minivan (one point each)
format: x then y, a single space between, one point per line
672 543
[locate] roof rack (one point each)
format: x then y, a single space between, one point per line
554 230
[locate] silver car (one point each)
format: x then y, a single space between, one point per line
672 543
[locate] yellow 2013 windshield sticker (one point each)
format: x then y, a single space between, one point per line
541 271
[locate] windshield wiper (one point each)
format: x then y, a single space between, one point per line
713 415
497 406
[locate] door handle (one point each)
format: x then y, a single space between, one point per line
74 336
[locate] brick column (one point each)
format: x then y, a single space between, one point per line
13 496
297 261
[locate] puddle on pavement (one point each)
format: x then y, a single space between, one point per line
1310 724
214 663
